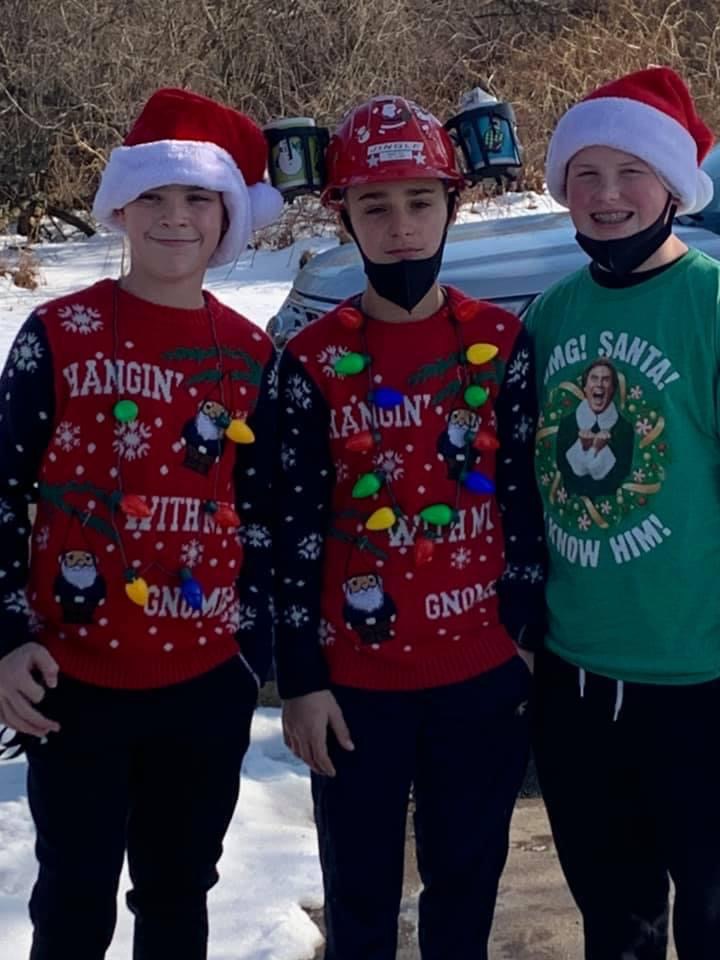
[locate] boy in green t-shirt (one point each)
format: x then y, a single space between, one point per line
628 464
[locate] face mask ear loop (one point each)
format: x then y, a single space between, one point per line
347 223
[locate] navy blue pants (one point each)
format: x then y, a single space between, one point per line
464 749
151 773
631 780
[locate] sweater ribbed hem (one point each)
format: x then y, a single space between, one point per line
128 672
455 662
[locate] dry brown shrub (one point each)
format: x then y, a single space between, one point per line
73 74
24 271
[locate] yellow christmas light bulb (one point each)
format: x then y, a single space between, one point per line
382 519
138 591
479 353
239 432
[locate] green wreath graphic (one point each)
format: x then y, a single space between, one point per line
647 472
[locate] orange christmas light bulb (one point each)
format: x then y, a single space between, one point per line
133 505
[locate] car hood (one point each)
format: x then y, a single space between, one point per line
506 257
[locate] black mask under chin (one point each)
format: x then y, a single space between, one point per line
404 282
623 256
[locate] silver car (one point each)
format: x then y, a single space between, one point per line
508 261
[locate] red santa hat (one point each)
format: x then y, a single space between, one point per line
649 114
184 138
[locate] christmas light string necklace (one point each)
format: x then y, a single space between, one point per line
368 484
135 505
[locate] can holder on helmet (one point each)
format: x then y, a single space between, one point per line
481 143
296 155
485 133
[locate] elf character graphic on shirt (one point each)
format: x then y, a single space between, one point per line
203 436
368 610
79 588
454 443
595 442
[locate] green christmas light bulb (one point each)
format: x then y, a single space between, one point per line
476 396
125 410
351 363
439 514
366 485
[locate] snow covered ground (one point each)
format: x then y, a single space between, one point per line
269 869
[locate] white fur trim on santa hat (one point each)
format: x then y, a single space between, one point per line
146 166
633 127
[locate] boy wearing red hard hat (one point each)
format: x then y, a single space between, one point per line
410 555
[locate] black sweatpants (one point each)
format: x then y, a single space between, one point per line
631 778
154 773
464 748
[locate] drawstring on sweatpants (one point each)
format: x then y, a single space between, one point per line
619 691
619 694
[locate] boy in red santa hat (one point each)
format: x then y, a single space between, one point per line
135 636
628 687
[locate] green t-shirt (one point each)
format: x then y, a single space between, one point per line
628 464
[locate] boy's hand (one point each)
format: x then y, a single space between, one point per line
305 726
19 690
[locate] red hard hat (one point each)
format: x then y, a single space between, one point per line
388 138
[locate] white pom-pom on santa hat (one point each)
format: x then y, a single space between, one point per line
649 114
184 138
265 203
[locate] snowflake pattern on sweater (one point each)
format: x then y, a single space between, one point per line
354 606
61 445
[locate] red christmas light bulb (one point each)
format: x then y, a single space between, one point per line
350 318
225 516
360 442
423 550
133 505
465 310
485 440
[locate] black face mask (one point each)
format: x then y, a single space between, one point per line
623 256
404 282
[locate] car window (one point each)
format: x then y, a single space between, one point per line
516 305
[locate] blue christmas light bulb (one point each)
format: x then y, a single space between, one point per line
386 397
478 483
191 590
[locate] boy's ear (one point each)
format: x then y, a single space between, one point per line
120 214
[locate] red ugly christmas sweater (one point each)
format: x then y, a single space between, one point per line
150 501
410 540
